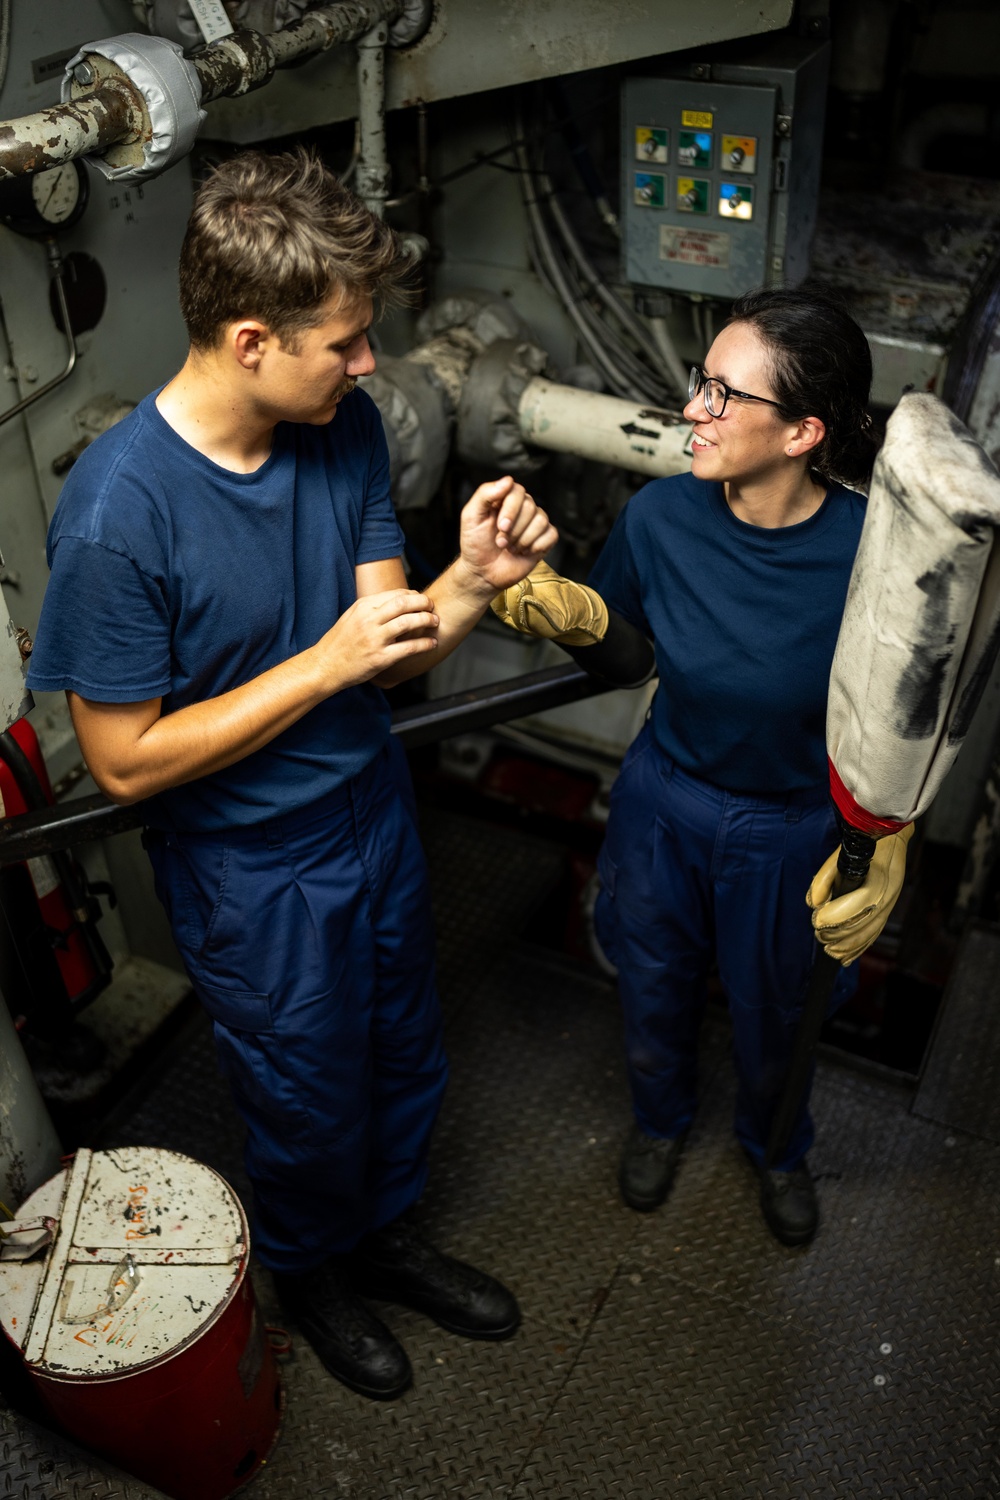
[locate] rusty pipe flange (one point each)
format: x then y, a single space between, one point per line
164 97
412 24
489 430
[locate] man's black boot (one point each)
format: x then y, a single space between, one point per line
396 1264
788 1202
647 1168
352 1343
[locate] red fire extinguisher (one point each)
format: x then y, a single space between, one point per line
65 926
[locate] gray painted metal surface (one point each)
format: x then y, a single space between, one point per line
695 249
698 218
681 1353
960 1087
29 1146
473 45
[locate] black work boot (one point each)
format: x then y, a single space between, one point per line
788 1203
396 1264
352 1343
647 1168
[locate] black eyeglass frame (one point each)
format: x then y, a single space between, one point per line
698 381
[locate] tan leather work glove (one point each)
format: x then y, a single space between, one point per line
849 924
546 604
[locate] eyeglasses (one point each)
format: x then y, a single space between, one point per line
718 393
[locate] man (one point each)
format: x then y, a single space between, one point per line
226 600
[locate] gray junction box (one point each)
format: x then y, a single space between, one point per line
720 175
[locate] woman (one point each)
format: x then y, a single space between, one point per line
721 814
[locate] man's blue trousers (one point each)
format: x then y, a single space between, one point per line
687 871
308 939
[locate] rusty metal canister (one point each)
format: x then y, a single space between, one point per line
123 1282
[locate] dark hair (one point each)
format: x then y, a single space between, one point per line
821 366
273 237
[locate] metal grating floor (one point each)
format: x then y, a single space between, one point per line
681 1354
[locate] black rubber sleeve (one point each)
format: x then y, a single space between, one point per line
624 658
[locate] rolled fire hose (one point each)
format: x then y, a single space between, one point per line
917 645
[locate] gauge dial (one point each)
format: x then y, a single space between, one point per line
44 202
56 193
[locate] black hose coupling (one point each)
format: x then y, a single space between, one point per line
857 850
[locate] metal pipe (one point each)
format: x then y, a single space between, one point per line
84 818
605 429
233 66
55 261
372 185
66 131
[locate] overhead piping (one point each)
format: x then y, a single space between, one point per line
116 111
372 171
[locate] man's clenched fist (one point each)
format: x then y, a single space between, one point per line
503 534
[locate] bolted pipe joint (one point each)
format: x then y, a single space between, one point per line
489 427
159 93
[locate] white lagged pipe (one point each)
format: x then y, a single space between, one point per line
603 428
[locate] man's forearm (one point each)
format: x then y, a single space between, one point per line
198 739
461 598
135 751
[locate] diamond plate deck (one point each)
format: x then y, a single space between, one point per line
36 1465
961 1082
682 1353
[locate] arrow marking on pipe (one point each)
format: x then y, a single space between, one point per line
631 429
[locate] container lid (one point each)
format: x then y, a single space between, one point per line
148 1248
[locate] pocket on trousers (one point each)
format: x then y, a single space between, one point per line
192 883
237 1010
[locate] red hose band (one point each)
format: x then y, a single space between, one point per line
855 814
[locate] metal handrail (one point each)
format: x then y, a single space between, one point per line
82 819
56 263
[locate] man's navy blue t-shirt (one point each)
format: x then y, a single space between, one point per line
744 621
174 578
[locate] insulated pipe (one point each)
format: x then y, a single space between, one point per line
603 428
233 66
372 171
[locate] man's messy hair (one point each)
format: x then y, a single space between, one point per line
274 237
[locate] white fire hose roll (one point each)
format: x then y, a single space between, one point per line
921 624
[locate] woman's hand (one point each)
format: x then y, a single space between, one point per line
847 925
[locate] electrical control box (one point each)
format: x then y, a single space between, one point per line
720 172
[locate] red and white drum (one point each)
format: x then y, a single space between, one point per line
138 1323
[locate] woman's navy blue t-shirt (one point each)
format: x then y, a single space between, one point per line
174 578
744 621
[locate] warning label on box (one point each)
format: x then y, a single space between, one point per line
693 247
